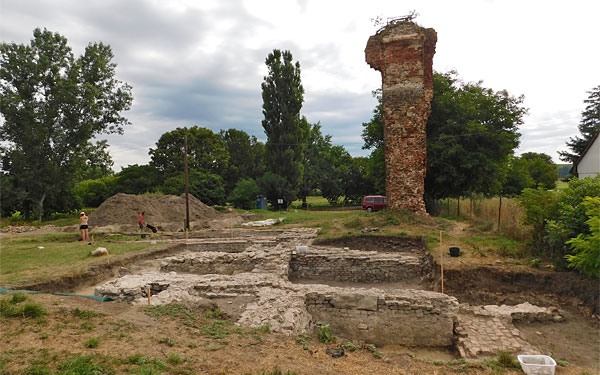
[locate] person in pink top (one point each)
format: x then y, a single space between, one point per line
141 221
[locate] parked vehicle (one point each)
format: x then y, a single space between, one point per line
374 203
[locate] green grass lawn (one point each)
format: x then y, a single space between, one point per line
23 261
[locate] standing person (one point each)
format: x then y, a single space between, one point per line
141 221
83 227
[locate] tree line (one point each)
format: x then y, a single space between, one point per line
55 104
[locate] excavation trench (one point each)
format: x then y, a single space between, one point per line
374 289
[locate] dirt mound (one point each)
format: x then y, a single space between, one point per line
125 209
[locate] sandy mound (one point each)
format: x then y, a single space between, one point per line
125 209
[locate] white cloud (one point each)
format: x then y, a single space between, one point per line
202 62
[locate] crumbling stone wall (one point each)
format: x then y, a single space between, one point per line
403 53
411 317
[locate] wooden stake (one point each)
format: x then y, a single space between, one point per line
11 234
92 238
442 262
148 293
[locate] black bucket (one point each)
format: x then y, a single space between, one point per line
143 235
454 251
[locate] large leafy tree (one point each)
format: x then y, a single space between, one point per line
286 131
531 169
471 133
53 104
316 161
246 157
206 152
588 127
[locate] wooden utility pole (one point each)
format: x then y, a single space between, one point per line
187 204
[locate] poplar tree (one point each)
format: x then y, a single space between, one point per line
287 132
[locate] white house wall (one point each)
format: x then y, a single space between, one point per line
589 165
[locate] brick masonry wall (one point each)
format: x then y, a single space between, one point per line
403 53
412 318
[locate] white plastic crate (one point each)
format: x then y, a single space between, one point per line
537 364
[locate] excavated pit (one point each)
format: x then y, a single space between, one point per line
266 277
374 289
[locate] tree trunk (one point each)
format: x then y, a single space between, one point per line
458 207
304 201
41 207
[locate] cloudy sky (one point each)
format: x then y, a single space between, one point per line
202 62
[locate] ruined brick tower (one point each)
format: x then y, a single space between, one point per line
403 53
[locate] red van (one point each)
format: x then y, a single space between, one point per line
374 202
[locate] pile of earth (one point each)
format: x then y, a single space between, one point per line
124 209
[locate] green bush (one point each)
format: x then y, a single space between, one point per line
244 194
586 247
558 217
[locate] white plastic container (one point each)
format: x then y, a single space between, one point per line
537 364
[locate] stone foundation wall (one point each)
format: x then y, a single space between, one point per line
403 53
219 263
413 318
352 266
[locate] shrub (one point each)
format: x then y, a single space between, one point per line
586 247
244 194
558 217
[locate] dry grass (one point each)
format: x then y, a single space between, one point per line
484 213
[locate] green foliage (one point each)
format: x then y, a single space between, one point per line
324 334
11 307
36 370
83 365
541 168
586 247
504 361
206 152
275 187
557 217
18 298
246 157
588 127
92 342
91 193
137 179
286 131
167 341
244 194
471 132
530 170
53 104
174 358
208 187
218 329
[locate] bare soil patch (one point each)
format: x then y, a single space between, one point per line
125 208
